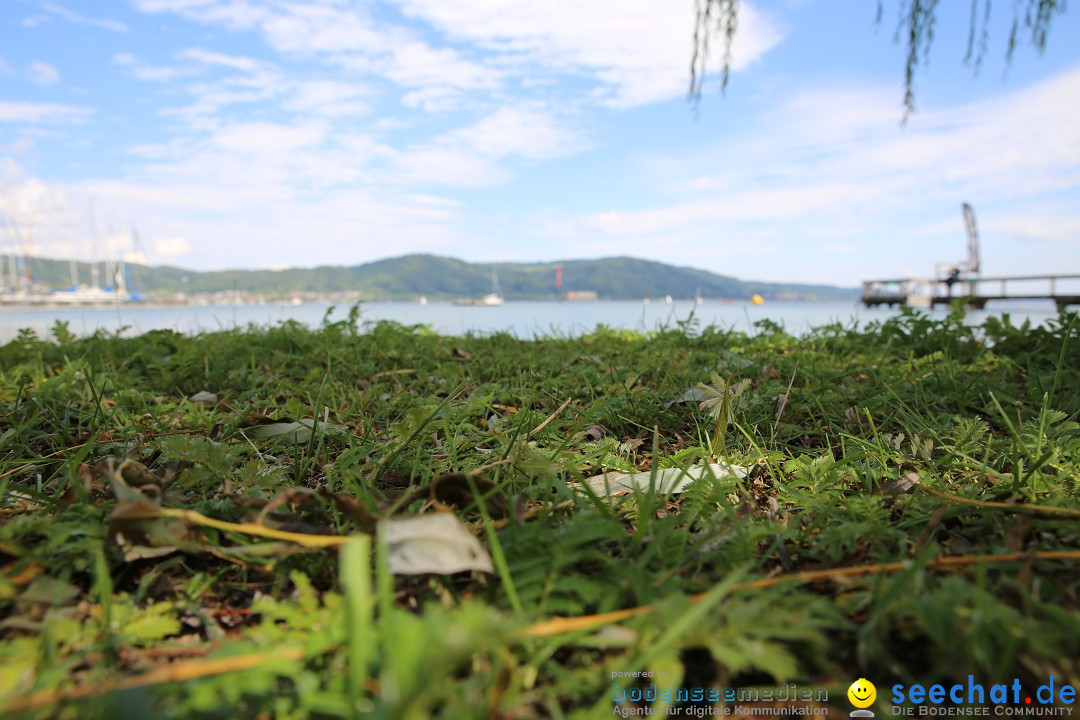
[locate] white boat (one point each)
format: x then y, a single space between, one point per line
83 295
492 299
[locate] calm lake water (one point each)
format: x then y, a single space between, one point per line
523 319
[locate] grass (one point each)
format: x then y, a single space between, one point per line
908 515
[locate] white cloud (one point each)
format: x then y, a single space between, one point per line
328 98
260 139
238 80
325 29
146 72
526 131
206 217
236 14
42 74
442 166
44 113
432 99
234 62
639 48
830 171
73 17
633 51
415 64
35 214
168 247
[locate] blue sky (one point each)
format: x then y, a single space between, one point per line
271 133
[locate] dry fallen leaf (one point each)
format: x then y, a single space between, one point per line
204 398
298 431
433 543
901 485
669 480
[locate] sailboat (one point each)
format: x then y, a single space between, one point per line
492 299
117 277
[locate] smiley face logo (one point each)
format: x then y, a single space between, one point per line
862 693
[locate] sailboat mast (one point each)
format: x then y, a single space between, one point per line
93 247
10 253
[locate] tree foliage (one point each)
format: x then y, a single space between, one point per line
717 21
445 278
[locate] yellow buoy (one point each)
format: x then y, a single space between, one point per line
756 299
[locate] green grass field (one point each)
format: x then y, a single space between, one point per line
219 526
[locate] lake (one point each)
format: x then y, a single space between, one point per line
523 319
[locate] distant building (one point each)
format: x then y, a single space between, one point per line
581 295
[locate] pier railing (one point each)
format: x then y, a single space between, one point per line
1063 290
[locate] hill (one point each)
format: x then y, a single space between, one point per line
618 278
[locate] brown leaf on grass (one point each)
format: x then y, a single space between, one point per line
594 433
901 485
140 530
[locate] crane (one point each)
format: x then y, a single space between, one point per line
950 272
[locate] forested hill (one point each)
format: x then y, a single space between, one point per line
620 278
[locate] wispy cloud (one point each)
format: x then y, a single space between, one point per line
328 98
225 80
71 16
145 71
822 166
42 74
526 130
633 51
33 211
42 113
638 50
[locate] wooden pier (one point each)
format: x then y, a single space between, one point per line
1062 290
